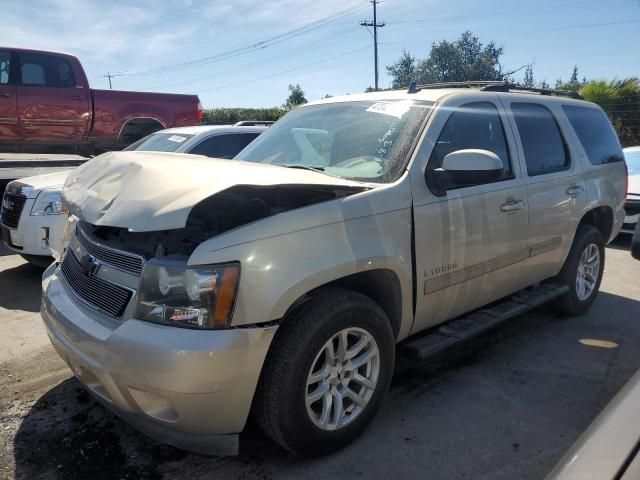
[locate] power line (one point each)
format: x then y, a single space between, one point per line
568 27
335 37
248 48
375 24
257 79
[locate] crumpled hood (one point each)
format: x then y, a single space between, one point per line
148 191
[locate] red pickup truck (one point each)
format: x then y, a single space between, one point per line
46 104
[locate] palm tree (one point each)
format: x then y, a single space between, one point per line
620 99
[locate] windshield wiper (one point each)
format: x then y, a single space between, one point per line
304 167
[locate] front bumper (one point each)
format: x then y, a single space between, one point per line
632 213
35 235
188 388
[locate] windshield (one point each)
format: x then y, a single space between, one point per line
160 142
633 162
364 140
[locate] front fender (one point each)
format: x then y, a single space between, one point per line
278 270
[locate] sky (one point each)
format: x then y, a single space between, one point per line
245 53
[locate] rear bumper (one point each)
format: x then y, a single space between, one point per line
187 388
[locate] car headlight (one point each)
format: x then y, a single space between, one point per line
194 297
49 202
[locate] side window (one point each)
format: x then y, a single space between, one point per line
5 65
595 133
45 70
544 148
223 146
474 125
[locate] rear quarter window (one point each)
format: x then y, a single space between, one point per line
597 136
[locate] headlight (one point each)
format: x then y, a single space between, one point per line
48 202
196 297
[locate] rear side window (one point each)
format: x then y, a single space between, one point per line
473 125
542 142
595 133
45 70
223 146
5 64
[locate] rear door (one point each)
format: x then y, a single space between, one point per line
53 104
9 125
469 240
554 182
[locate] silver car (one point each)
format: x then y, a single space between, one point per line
193 292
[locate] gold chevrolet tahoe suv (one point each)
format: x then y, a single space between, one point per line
193 291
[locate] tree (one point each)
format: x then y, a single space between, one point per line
467 58
403 71
528 81
544 85
296 96
620 99
573 81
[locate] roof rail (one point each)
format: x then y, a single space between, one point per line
494 86
253 123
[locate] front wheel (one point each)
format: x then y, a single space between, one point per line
326 374
582 271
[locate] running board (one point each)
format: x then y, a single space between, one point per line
462 328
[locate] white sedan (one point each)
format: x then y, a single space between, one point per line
632 205
32 216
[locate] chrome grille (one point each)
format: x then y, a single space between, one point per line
95 291
12 206
125 261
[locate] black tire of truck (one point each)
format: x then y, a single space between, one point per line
587 243
281 405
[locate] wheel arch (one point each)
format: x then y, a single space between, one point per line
381 285
144 124
601 218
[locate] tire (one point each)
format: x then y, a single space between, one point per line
38 261
635 242
301 345
577 301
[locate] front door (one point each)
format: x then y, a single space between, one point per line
9 125
52 103
469 240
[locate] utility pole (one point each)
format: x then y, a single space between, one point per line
109 76
375 26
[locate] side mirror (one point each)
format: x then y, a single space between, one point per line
465 168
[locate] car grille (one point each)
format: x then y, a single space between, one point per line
95 291
128 262
12 206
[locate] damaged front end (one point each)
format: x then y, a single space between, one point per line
224 211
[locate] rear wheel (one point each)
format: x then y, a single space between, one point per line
326 374
582 271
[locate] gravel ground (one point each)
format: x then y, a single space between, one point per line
504 406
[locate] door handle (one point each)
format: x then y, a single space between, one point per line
575 190
5 94
512 206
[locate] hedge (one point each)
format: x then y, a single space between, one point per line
216 116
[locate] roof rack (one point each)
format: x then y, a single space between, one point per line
494 86
253 123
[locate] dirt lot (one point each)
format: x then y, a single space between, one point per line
505 406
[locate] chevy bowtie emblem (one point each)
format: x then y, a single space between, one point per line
90 265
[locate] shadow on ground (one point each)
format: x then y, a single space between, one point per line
20 288
514 400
